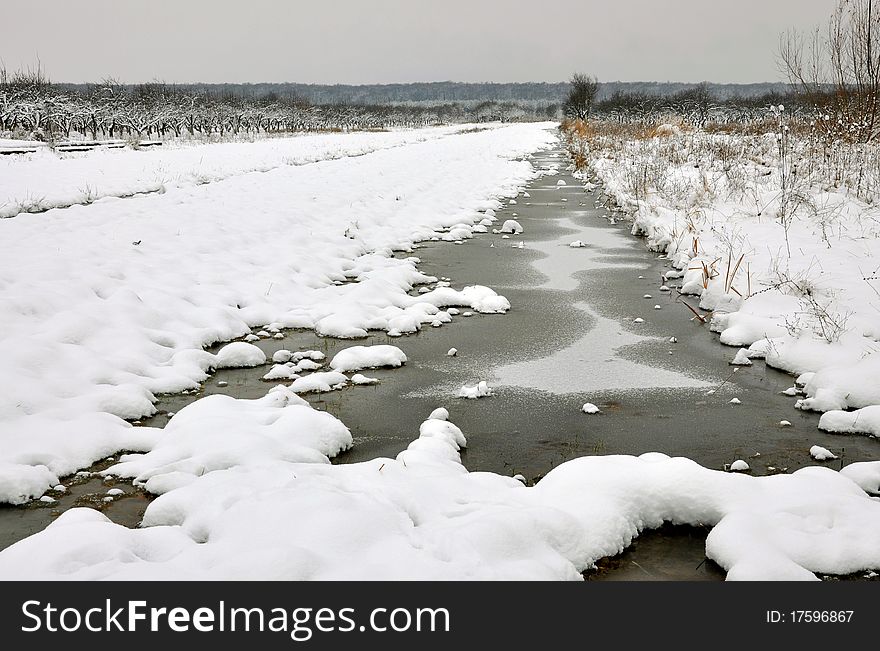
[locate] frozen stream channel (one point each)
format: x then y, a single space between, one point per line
581 329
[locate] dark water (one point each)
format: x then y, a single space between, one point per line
529 431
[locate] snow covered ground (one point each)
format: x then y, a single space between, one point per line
276 513
106 305
42 180
787 269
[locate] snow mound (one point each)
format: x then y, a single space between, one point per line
477 297
320 382
741 358
357 378
511 226
19 483
578 244
281 372
739 466
361 357
590 408
239 354
480 390
220 432
822 454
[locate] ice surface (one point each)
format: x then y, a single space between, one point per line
592 364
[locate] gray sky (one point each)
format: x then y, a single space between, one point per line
383 41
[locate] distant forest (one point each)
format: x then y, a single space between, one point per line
446 92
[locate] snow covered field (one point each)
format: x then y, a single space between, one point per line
43 179
108 304
780 241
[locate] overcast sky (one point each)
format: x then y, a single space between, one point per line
383 41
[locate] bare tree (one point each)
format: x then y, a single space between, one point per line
581 96
839 71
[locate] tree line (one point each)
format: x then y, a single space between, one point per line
32 106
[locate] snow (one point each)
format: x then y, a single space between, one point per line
216 262
320 382
357 378
452 352
281 356
253 513
739 466
578 244
281 372
357 358
511 226
47 180
590 408
219 432
741 358
480 390
240 354
822 454
860 421
865 474
20 483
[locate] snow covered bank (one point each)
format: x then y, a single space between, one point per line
108 304
253 513
781 247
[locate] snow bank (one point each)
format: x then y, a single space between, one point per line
422 515
159 277
357 358
860 421
803 293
